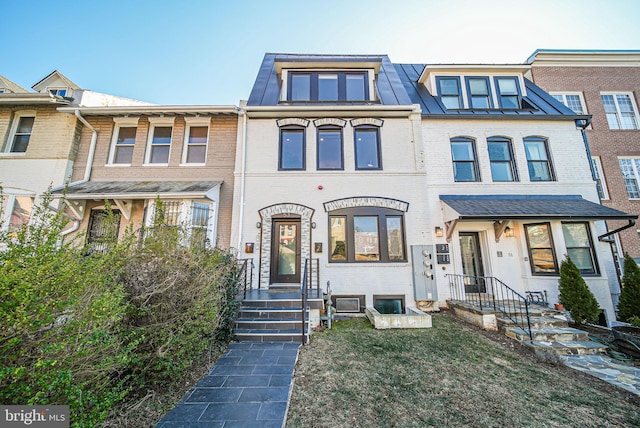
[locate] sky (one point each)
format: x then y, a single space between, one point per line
207 52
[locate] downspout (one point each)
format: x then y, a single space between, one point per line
242 179
87 171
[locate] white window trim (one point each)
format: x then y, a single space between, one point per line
14 127
597 165
184 216
5 221
564 99
189 123
618 112
153 123
636 172
120 122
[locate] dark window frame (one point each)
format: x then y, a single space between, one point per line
16 134
331 128
548 161
296 129
467 80
342 85
367 129
592 250
511 160
383 236
457 80
474 161
556 271
501 95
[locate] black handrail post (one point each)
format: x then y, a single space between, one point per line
303 298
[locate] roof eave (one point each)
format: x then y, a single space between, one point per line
151 110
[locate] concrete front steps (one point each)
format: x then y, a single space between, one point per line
552 334
273 316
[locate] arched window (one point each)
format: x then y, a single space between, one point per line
465 162
501 158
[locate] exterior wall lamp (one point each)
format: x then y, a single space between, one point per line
439 232
508 232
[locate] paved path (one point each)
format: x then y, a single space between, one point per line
249 386
606 368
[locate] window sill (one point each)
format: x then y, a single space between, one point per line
155 164
112 165
12 155
187 164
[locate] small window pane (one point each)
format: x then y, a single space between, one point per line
330 149
328 87
464 171
20 143
21 213
366 240
292 149
367 150
478 86
300 87
449 87
462 151
542 261
539 236
25 125
123 155
542 256
338 238
508 86
581 257
575 235
355 87
198 134
22 135
197 154
394 238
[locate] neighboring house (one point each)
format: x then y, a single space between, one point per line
132 155
38 143
508 182
331 168
606 85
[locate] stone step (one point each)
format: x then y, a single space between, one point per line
548 334
536 322
270 313
268 324
582 347
273 335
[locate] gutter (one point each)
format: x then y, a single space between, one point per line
87 171
603 237
242 179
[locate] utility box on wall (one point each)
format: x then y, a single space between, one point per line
424 278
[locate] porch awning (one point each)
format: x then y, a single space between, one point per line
527 207
138 189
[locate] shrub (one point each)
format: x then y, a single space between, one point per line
575 295
60 314
629 303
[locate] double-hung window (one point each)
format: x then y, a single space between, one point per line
465 165
572 100
195 142
630 168
508 92
159 142
192 217
292 151
577 238
366 234
328 86
330 148
367 147
600 181
21 133
16 210
501 158
479 92
123 141
449 92
542 256
621 111
538 159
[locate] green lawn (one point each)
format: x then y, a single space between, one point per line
449 375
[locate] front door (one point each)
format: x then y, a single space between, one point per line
103 230
285 251
472 266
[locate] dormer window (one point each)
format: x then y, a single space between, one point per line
328 86
508 92
479 92
62 92
449 90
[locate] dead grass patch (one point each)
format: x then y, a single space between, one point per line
449 375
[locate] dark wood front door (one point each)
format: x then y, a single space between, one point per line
285 251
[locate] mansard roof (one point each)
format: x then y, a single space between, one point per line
267 87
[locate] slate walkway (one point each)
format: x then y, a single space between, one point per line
249 386
606 368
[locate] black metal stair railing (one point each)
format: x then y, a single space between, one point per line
244 275
487 292
310 278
